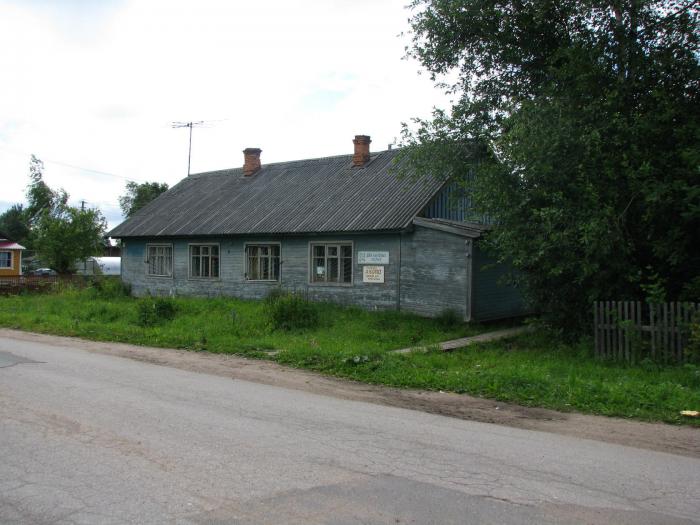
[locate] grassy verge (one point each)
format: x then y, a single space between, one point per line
223 325
532 370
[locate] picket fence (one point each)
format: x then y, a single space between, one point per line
633 330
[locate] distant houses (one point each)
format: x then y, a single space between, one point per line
10 257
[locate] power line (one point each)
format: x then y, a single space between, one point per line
73 166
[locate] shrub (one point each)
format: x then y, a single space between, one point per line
152 311
692 350
274 295
109 288
691 291
448 318
292 312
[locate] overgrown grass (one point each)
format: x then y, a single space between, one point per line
533 370
530 370
224 325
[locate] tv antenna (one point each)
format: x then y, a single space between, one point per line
188 125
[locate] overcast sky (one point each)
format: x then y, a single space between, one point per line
96 84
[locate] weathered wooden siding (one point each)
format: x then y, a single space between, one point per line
434 272
452 203
492 297
294 272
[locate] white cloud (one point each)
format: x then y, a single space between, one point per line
98 87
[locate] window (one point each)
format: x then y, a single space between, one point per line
331 263
5 259
160 260
262 262
204 261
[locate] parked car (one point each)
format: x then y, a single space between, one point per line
44 272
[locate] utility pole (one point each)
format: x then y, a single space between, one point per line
188 125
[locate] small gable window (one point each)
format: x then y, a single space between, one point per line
5 259
160 260
331 263
204 261
262 262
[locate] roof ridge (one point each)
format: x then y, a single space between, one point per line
297 162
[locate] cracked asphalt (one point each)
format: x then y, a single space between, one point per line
93 438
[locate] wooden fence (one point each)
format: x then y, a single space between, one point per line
633 330
39 283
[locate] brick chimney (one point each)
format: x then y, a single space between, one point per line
251 161
361 155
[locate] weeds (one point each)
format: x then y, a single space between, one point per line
152 311
291 311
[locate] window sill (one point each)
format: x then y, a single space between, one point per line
149 276
332 285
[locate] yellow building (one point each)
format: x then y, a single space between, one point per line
10 258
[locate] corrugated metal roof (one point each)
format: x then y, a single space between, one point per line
10 245
471 230
305 196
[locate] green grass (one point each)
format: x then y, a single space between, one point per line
223 325
532 370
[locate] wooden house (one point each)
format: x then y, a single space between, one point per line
10 257
344 229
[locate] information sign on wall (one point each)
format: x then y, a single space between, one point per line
373 257
372 274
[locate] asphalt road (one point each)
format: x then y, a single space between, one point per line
90 438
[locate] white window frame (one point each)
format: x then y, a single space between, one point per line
245 262
148 263
327 244
12 260
189 261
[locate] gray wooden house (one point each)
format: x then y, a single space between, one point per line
344 229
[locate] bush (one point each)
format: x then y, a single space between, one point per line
292 312
153 311
110 288
448 318
692 350
274 295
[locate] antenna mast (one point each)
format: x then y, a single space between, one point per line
188 125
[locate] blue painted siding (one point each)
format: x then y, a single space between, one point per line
428 272
294 270
433 273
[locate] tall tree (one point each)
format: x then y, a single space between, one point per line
40 197
60 234
579 122
67 235
138 195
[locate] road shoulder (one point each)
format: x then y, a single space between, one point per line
660 437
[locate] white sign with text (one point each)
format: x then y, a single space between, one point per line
373 257
372 274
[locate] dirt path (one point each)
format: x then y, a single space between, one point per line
653 436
